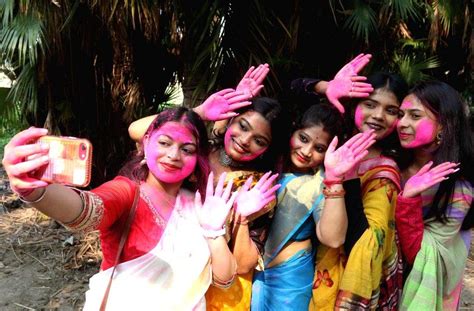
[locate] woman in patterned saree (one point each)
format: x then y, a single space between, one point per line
366 273
434 213
286 282
175 247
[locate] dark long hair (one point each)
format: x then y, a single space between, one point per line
395 84
456 143
273 112
191 120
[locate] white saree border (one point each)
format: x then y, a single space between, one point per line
174 275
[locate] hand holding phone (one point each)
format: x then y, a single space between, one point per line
70 161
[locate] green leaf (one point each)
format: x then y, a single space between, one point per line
362 22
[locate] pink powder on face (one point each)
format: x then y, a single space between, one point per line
424 134
359 118
406 105
170 164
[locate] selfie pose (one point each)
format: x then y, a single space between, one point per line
247 143
434 212
175 247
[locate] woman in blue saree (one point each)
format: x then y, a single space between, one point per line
310 204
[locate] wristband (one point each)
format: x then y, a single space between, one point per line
36 200
213 234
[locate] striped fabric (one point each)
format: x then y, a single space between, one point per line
435 280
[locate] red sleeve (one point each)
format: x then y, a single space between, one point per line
117 196
409 221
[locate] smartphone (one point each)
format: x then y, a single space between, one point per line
70 161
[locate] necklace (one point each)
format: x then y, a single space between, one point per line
159 219
225 160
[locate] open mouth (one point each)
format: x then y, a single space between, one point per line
374 126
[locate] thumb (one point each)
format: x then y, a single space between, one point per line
332 145
338 105
197 200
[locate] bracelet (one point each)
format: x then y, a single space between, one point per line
213 234
22 199
328 194
243 222
329 182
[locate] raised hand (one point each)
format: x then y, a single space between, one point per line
347 82
213 213
221 105
251 83
22 157
427 177
253 200
338 162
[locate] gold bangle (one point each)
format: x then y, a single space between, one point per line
22 199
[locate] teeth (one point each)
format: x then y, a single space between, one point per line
374 126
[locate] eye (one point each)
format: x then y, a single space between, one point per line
164 143
401 114
415 116
369 104
189 150
320 149
392 111
303 138
243 127
260 142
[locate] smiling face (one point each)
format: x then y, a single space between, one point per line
247 137
171 152
378 112
308 147
418 125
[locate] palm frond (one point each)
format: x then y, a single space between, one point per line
362 22
21 39
405 9
24 90
412 69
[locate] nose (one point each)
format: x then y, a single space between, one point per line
245 139
306 150
173 153
378 113
402 122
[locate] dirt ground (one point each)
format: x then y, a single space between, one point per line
45 267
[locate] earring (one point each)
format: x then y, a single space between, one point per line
143 161
438 139
192 178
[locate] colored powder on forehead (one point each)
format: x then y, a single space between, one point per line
176 131
406 105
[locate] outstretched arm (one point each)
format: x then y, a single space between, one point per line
21 159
